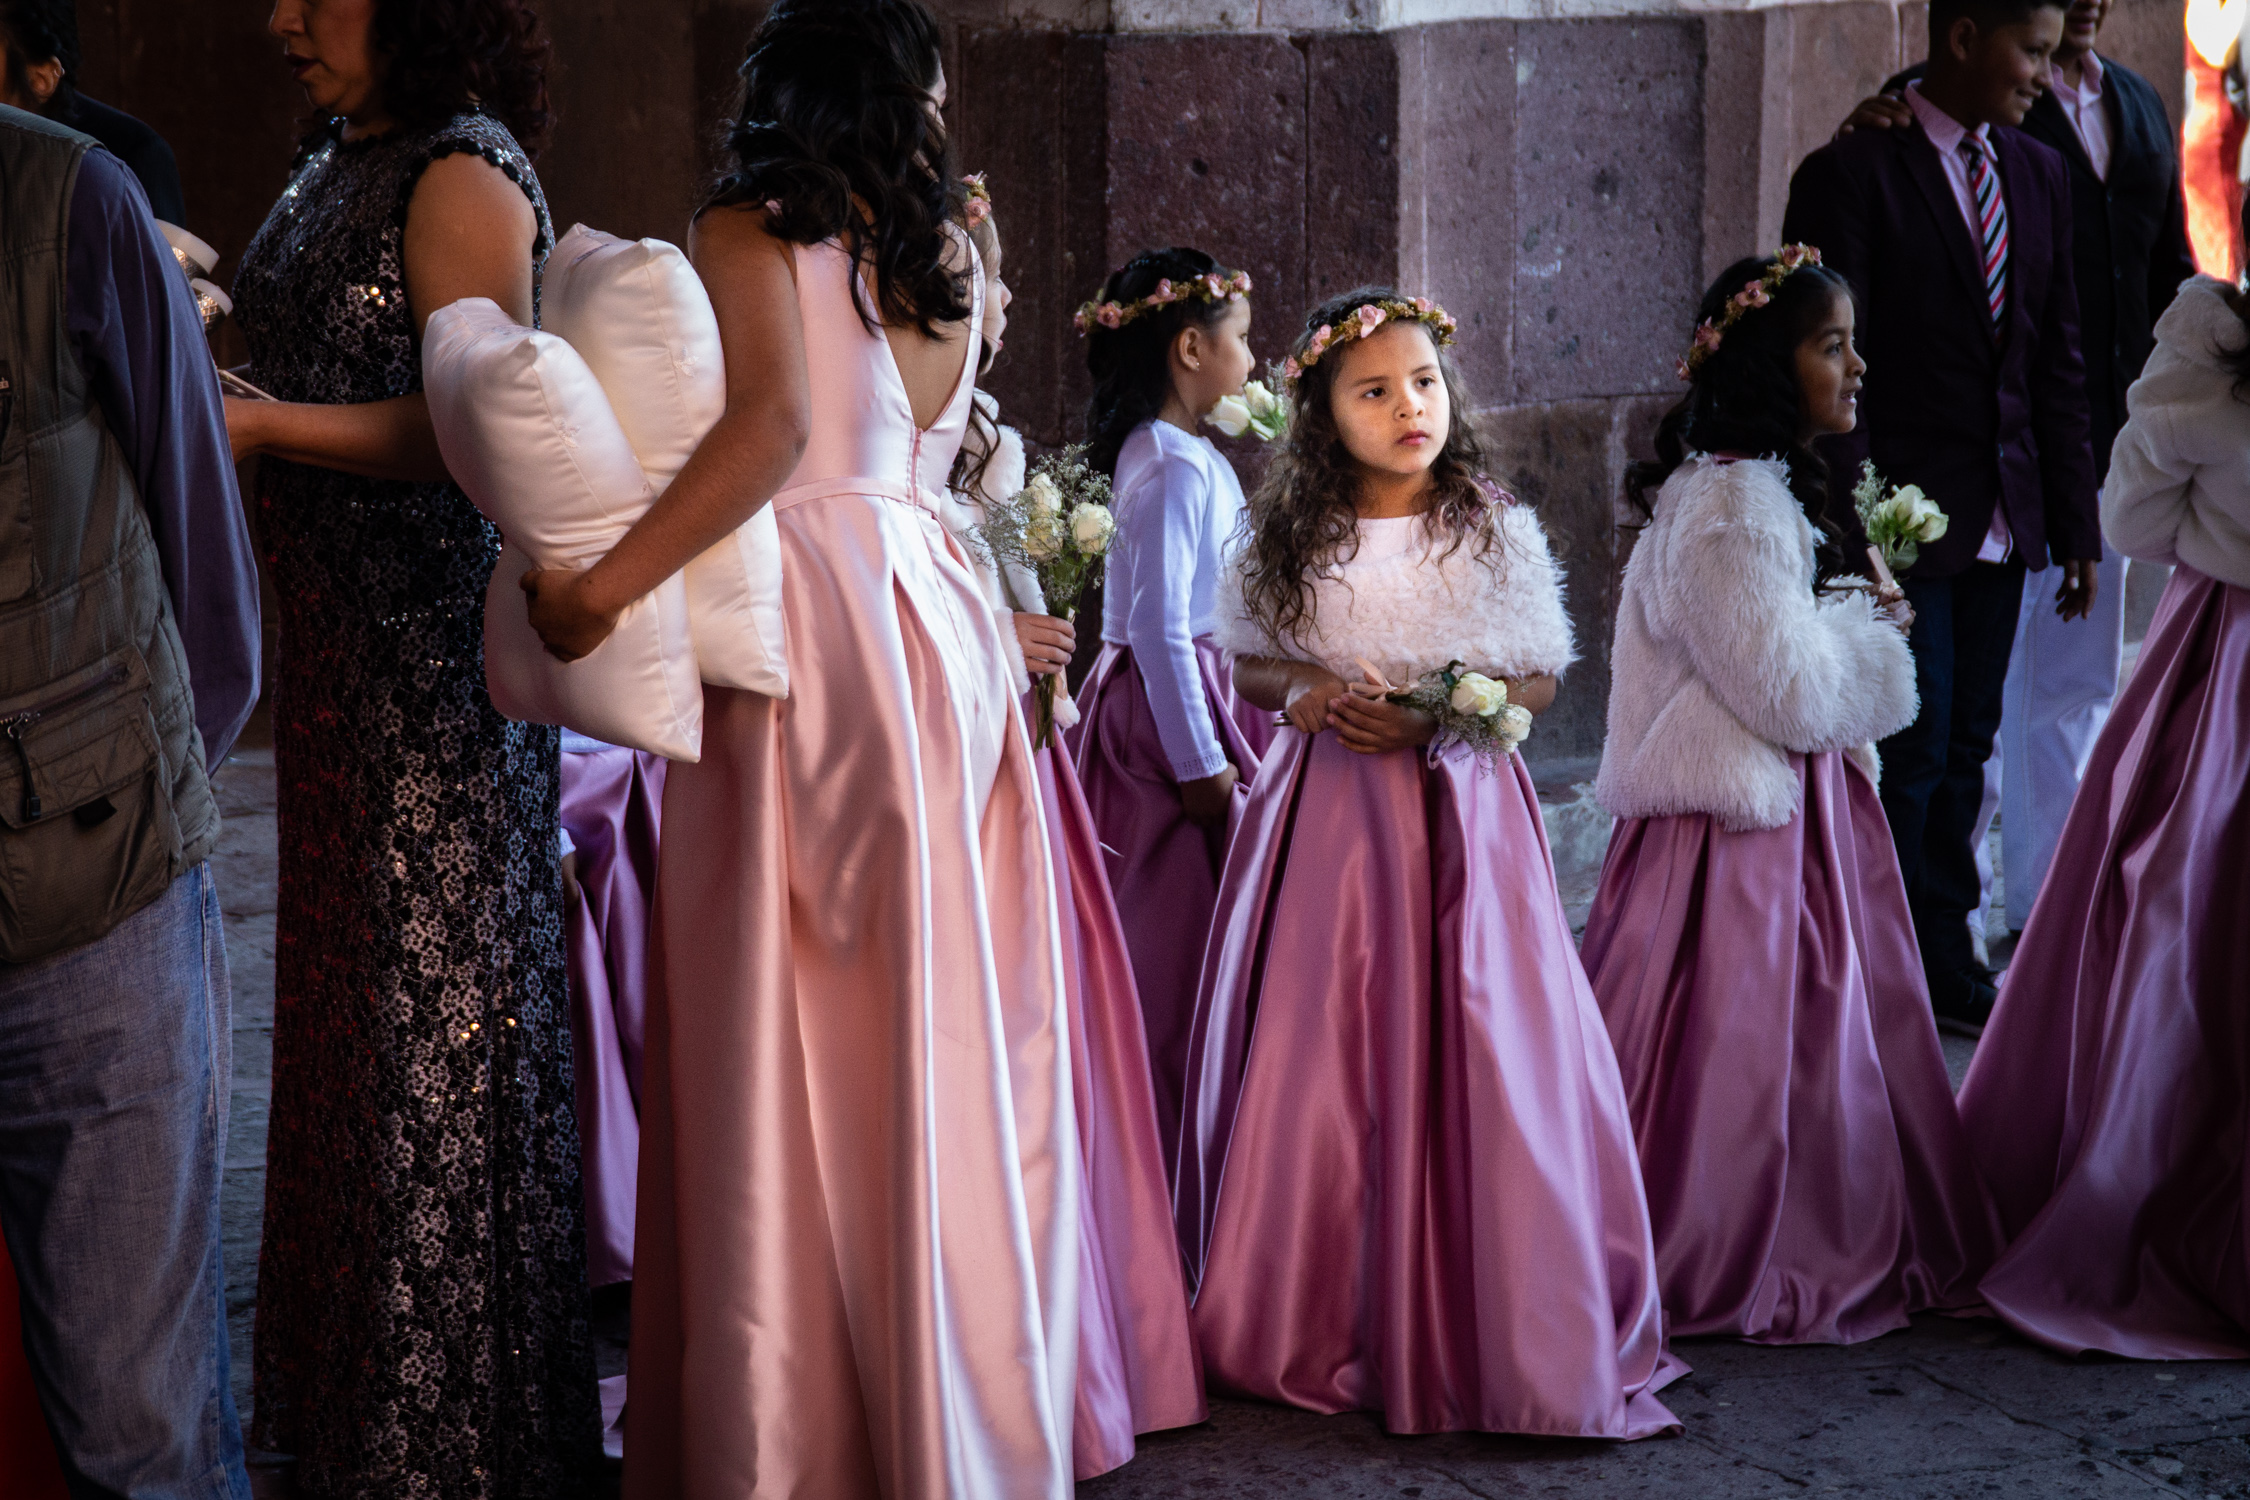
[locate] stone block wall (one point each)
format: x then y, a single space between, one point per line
1564 175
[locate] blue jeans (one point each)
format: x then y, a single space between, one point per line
1933 769
115 1065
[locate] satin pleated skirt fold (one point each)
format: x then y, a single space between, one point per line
859 1223
612 803
1163 869
1808 1178
1138 1370
2110 1097
1408 1174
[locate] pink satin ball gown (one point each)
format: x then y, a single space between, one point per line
1406 1169
856 1272
1808 1177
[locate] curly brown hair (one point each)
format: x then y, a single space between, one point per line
1304 515
441 58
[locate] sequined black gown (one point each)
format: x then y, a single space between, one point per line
421 1322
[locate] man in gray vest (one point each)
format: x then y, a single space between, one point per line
128 663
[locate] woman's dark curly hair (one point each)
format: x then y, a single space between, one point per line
1746 398
1132 365
38 31
833 126
1304 514
441 58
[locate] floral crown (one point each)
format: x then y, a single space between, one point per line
1709 333
976 199
1221 285
1364 320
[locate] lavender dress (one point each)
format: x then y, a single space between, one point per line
2109 1101
1807 1176
1138 1370
1160 708
612 801
1408 1178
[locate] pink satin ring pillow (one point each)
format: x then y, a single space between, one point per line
527 432
637 313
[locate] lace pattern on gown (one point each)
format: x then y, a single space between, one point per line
421 1325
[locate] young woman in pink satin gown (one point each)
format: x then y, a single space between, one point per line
1406 1177
1138 1370
857 1259
1750 943
2110 1096
1165 748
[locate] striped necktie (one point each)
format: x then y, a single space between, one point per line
1992 225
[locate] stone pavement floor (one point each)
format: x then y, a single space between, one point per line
1945 1410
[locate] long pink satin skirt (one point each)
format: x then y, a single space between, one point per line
1408 1153
859 1237
1138 1369
2109 1102
1808 1178
612 810
1163 869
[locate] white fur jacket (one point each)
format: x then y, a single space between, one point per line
1725 661
1405 607
1008 587
2179 481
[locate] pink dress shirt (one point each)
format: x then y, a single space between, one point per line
2083 105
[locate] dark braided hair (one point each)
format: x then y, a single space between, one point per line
38 31
441 58
1746 397
1305 512
835 105
1132 365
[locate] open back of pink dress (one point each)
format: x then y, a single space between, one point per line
856 1272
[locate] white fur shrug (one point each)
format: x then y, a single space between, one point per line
1725 661
2179 481
1412 609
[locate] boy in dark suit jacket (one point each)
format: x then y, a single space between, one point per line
1956 235
2130 244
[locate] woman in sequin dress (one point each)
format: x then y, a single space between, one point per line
421 1324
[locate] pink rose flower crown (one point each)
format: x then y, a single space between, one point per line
976 199
1362 321
1712 331
1222 285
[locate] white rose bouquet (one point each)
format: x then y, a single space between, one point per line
1255 409
1471 709
1897 521
1060 527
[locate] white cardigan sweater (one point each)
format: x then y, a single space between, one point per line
1408 609
2179 480
1725 661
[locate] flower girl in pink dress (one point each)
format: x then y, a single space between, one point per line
1138 1370
1406 1175
2110 1096
856 1265
1750 944
1165 748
